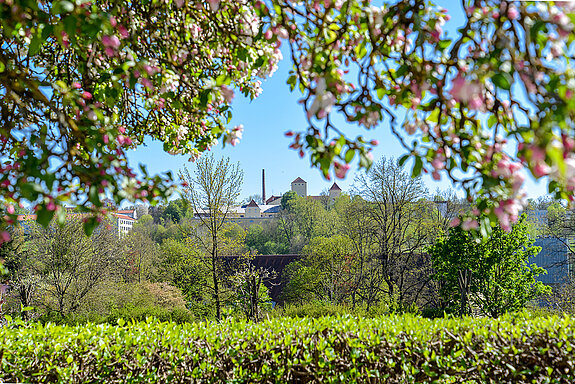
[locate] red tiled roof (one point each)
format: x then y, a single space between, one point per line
125 217
298 180
335 187
272 198
252 204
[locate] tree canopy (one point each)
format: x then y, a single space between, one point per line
81 82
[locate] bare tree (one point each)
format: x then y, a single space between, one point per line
396 204
212 191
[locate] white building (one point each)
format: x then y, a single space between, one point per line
124 223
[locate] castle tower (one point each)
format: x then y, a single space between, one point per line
334 192
299 186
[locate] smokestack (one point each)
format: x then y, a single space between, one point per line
263 186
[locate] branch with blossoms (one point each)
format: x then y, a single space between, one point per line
82 82
462 99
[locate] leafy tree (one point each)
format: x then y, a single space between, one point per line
81 85
141 256
288 199
326 272
181 265
251 296
266 239
211 191
493 276
175 211
66 264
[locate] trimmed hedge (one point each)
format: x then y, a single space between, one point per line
394 349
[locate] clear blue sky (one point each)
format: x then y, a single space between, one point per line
264 145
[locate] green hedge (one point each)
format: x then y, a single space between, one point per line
394 349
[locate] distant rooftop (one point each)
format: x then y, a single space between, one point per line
252 204
298 180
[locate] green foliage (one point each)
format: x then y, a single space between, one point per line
395 349
266 239
325 273
497 270
181 265
287 200
176 210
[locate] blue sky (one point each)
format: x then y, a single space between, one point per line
264 145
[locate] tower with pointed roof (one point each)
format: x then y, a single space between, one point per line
253 209
299 186
334 192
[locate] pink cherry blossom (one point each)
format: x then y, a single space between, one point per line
469 223
147 83
541 169
235 136
227 93
512 13
340 169
214 5
4 237
111 41
470 92
323 102
123 31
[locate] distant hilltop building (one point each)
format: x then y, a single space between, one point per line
299 186
274 200
334 192
123 220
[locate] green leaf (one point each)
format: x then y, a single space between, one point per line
89 225
60 7
44 216
94 197
491 121
349 155
444 44
502 80
35 44
417 167
402 160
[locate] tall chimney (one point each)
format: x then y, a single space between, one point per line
263 186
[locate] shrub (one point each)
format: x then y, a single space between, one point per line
394 349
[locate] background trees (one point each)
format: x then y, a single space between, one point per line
62 266
395 204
